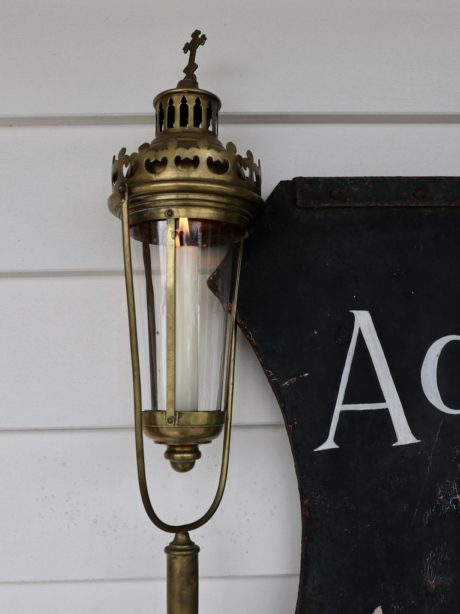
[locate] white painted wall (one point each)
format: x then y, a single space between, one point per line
313 87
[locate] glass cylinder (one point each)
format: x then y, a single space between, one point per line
184 272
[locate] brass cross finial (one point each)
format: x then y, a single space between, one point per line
197 40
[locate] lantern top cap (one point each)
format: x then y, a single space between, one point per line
186 171
197 39
187 106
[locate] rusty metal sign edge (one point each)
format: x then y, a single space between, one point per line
348 192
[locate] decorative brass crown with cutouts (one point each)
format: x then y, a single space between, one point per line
186 171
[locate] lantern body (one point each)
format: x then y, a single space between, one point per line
185 273
187 200
205 260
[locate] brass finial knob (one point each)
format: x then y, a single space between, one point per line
196 41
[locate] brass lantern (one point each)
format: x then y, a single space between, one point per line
185 202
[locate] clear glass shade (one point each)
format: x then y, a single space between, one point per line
188 279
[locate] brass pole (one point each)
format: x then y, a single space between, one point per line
182 575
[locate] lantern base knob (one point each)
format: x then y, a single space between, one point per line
182 457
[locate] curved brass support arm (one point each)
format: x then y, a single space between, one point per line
138 397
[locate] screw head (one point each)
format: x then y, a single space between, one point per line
169 212
336 193
170 420
420 194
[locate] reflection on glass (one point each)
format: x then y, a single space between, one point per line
204 279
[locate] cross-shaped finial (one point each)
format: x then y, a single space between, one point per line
197 40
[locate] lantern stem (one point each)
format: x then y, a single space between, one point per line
182 575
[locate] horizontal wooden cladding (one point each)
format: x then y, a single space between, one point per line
55 181
70 509
66 362
244 118
295 55
270 595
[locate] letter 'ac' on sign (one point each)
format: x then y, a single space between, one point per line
363 324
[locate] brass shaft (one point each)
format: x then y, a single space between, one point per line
182 575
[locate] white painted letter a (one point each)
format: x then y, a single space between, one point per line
363 323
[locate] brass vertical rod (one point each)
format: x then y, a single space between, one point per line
151 323
136 368
131 313
230 379
170 320
231 363
182 575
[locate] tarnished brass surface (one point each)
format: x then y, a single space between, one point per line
182 458
170 321
186 171
182 575
190 429
191 191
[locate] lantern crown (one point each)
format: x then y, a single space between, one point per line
186 171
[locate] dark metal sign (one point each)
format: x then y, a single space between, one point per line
350 296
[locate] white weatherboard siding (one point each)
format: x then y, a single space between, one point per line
78 515
323 87
68 359
222 595
110 56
